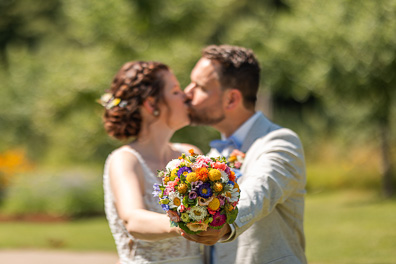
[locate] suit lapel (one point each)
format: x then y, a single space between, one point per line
260 128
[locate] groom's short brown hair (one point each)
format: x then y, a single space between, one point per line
239 69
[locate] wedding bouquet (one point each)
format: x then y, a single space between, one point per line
198 192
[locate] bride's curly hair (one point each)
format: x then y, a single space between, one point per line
134 83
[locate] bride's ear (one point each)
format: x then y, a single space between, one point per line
150 106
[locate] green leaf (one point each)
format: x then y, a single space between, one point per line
231 216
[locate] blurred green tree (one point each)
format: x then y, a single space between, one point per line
326 65
26 22
344 54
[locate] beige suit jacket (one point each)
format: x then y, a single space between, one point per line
269 226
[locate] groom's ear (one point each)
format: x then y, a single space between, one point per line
233 98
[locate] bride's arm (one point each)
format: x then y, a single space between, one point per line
127 184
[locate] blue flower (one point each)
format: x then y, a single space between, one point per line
205 191
165 207
157 190
184 171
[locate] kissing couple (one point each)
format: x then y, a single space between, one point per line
145 106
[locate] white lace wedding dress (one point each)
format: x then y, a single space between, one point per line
132 250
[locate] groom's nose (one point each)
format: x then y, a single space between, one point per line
189 91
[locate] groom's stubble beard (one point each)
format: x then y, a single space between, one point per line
204 116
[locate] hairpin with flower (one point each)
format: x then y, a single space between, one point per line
109 101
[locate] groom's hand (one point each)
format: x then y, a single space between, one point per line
209 237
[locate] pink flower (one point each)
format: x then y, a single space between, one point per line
218 219
173 183
201 162
203 159
211 211
173 216
221 199
182 208
219 165
237 164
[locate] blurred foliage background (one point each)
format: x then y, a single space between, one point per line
328 72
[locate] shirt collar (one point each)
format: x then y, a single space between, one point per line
240 134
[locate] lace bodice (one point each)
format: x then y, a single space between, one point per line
132 250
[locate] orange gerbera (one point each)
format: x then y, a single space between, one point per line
202 174
231 177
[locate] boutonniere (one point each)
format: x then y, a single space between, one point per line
236 158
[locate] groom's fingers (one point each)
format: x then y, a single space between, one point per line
209 237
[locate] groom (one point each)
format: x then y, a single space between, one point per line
269 226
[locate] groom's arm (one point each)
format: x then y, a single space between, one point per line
274 170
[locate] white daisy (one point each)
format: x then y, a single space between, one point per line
197 213
173 164
232 194
224 176
175 200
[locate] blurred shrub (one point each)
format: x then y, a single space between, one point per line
334 167
71 193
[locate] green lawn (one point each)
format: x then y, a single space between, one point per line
82 235
350 227
341 227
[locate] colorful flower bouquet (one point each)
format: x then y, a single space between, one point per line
198 192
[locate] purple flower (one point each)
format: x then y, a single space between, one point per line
192 195
157 190
222 199
195 185
205 191
182 170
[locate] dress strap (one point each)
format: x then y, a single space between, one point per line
140 159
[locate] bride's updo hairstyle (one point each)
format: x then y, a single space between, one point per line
132 85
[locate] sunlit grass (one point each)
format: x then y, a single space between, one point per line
81 235
350 227
343 227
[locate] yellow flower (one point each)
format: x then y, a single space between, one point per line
229 207
166 179
174 174
218 187
214 175
214 204
185 218
232 158
191 177
182 188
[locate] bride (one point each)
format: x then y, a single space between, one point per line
144 106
